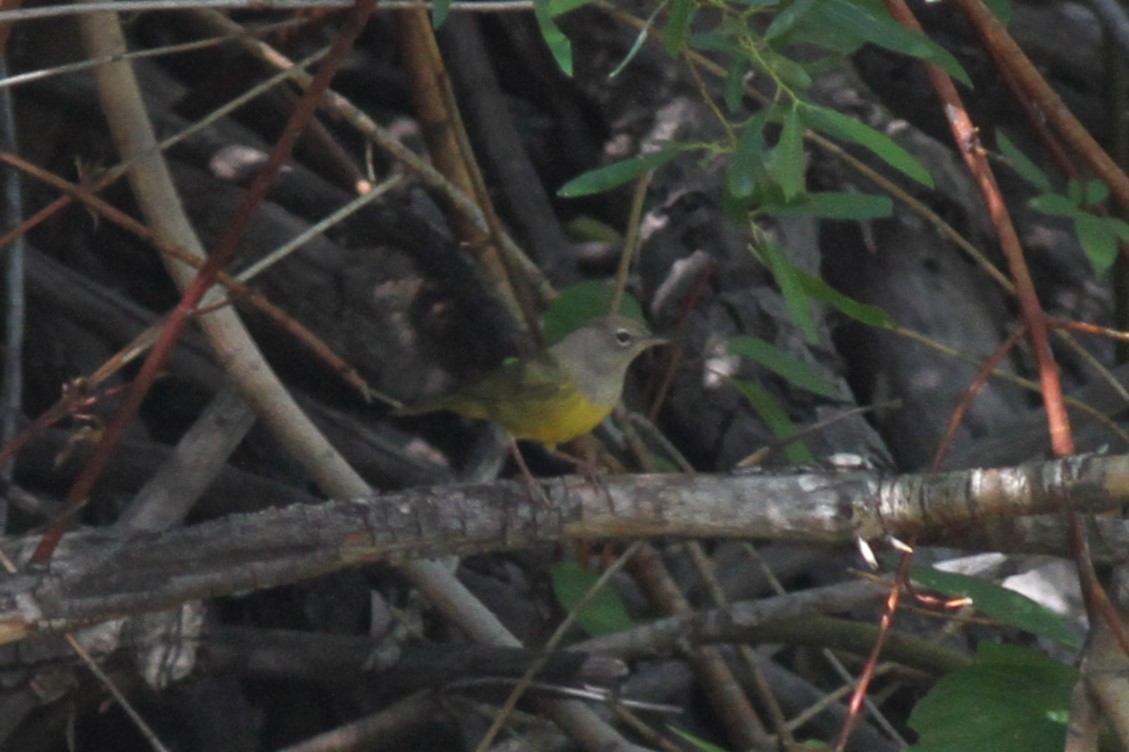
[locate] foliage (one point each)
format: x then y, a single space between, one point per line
695 742
581 303
767 161
1010 699
766 157
604 613
791 368
998 602
796 372
1097 234
776 419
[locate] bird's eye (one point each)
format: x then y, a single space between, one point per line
623 337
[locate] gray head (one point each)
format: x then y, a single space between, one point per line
599 353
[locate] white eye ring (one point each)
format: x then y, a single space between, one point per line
623 337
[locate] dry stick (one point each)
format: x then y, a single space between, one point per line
70 193
169 49
243 362
1010 56
221 255
724 690
146 731
942 227
195 462
744 729
7 6
1075 134
832 659
485 105
368 128
1034 119
75 397
631 240
241 358
554 640
1105 373
533 291
450 149
111 175
1084 327
257 551
1019 381
15 293
977 385
241 291
142 6
968 144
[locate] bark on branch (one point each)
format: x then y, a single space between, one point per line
99 575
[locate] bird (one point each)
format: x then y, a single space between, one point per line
556 394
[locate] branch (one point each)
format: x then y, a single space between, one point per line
102 575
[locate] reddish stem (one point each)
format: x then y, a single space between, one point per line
221 255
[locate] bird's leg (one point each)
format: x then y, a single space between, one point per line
588 464
587 459
535 489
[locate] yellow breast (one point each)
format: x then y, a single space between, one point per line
549 419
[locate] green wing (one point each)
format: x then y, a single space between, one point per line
530 379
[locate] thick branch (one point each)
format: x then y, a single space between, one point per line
101 576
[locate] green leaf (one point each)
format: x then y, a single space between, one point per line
834 205
585 228
788 19
1120 228
1009 699
795 371
840 126
701 744
843 26
1098 239
439 11
777 421
579 304
810 26
1023 166
869 19
1074 192
1094 192
677 29
716 40
605 178
1001 9
790 72
640 38
747 175
1055 204
864 313
735 83
736 210
560 7
788 279
786 160
819 34
605 612
558 43
1001 604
